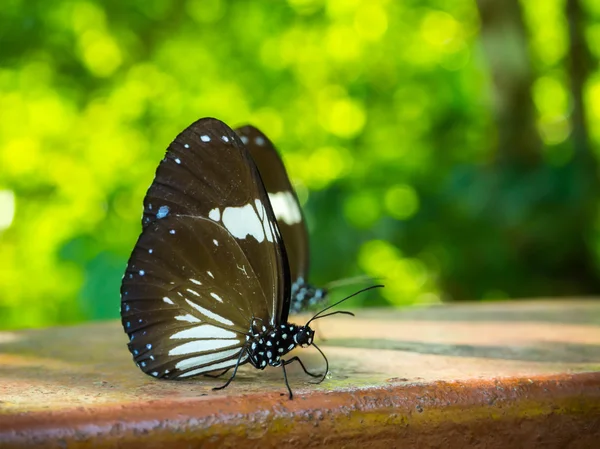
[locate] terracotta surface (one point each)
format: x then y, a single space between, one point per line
493 375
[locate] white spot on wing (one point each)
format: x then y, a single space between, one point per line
244 139
215 214
203 346
195 281
205 138
225 139
274 228
205 359
259 141
168 301
214 366
189 318
162 212
209 314
260 208
217 297
178 160
262 213
243 221
215 242
193 291
285 207
204 331
210 274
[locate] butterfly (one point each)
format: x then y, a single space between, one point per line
288 213
207 286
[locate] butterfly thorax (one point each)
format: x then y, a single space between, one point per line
266 345
305 296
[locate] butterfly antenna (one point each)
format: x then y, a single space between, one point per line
318 314
326 364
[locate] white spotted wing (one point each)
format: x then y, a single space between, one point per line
209 260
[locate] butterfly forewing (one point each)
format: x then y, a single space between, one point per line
282 197
207 172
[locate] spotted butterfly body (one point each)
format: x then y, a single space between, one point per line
207 286
288 213
269 344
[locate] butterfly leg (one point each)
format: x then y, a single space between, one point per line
237 365
214 376
296 359
287 384
326 364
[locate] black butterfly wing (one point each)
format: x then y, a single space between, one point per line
188 298
284 200
210 258
208 172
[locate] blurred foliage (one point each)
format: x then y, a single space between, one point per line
384 112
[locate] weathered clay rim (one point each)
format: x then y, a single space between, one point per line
370 415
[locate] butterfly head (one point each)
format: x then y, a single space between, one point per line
304 337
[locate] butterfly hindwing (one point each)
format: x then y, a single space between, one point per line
189 294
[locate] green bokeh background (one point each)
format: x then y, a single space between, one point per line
443 145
